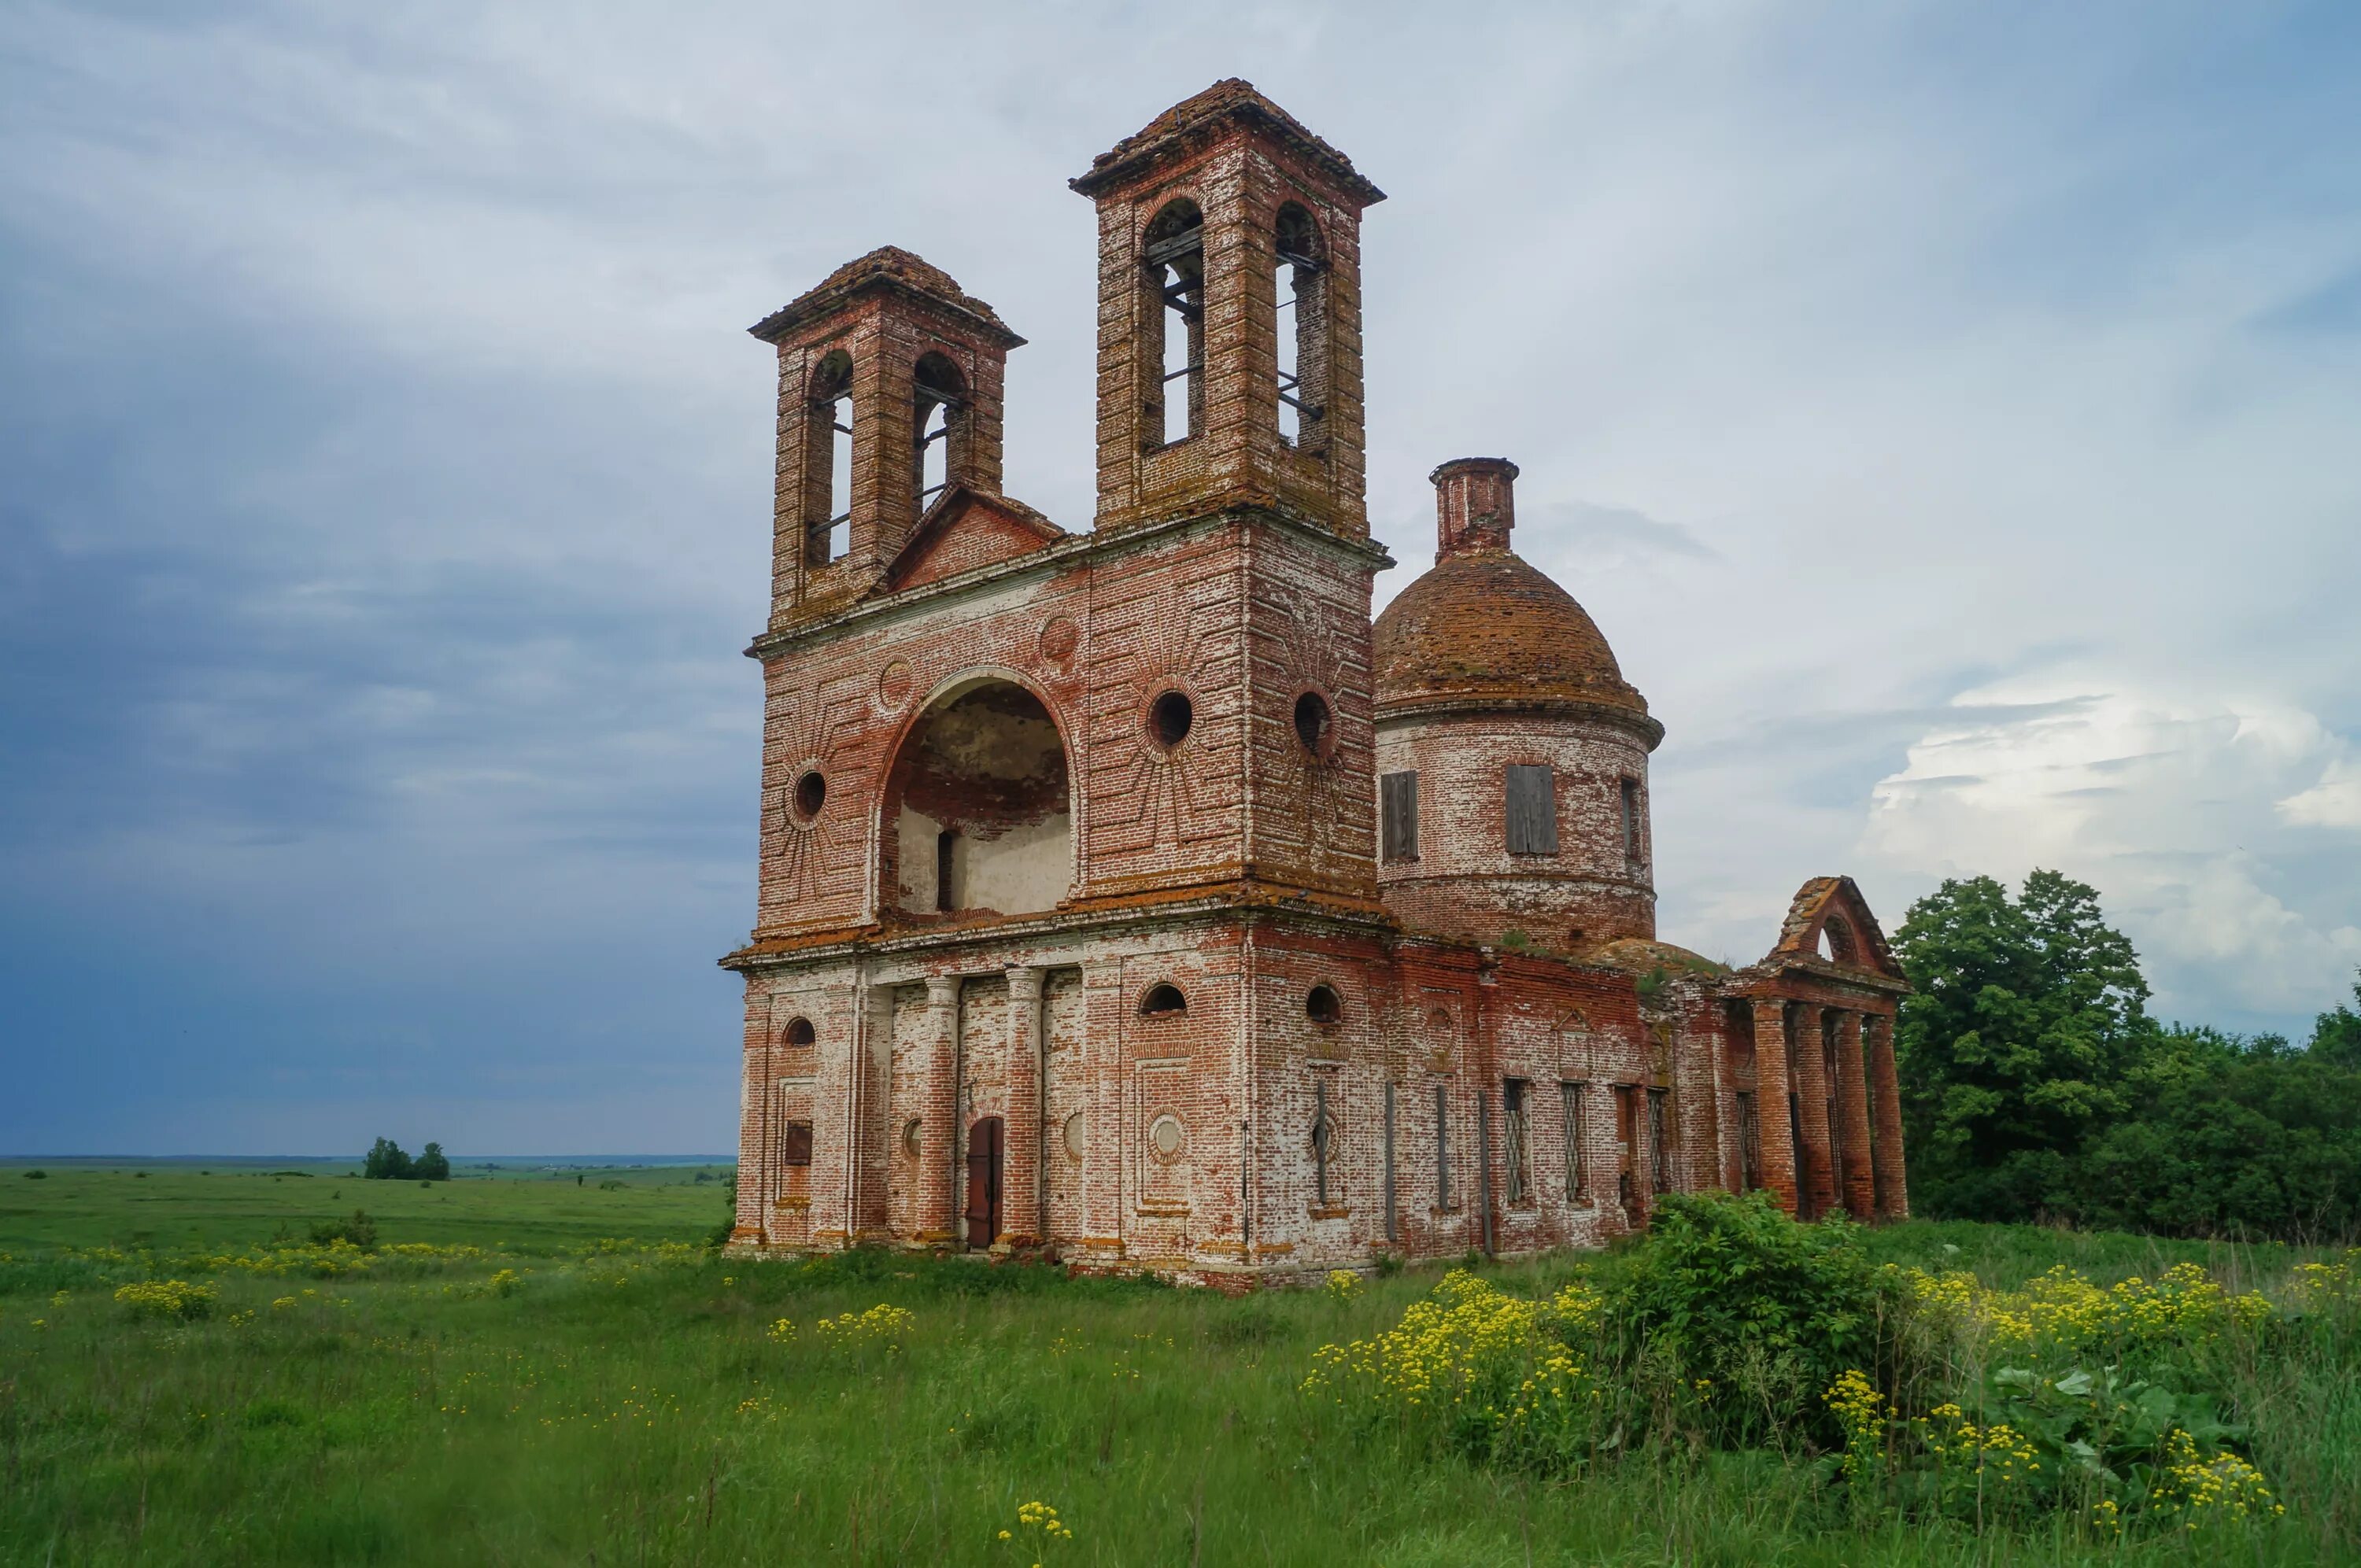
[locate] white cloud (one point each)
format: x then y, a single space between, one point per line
2333 801
2161 800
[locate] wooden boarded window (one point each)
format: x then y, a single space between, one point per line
794 1162
795 1143
1323 1135
1660 1147
1512 1105
1626 1135
1533 809
1441 1146
1577 1163
1398 812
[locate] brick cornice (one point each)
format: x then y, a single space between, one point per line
1076 550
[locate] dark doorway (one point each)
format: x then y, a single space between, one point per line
983 1154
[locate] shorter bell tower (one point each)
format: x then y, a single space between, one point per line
890 392
1229 317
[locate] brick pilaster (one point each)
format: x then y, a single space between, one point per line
1773 1084
1885 1093
1853 1120
939 1193
1020 1200
1817 1184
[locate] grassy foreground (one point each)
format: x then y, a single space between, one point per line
506 1380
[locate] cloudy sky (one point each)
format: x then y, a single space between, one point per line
1952 414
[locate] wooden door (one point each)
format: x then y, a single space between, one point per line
983 1160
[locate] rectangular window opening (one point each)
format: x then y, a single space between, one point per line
1441 1146
1321 1134
1397 814
1578 1161
946 860
1750 1144
1631 820
1660 1145
1626 1137
1533 809
1513 1119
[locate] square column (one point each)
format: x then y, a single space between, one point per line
1853 1120
1771 1086
938 1150
1021 1186
1886 1099
1817 1161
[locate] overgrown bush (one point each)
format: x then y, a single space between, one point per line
360 1231
2106 1410
1729 1298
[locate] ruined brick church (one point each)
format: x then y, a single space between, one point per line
1128 898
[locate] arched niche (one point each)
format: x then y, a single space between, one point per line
978 807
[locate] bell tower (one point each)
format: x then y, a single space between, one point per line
1229 317
890 388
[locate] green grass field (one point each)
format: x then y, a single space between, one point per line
494 1385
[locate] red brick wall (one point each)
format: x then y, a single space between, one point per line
1465 881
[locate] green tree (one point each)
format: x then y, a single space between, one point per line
385 1162
431 1165
2336 1037
2029 1019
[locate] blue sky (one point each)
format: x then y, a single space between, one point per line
1948 412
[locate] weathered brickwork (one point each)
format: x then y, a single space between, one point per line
1130 897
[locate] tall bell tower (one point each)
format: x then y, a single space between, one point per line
1229 317
890 386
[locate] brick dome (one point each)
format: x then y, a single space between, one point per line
1487 629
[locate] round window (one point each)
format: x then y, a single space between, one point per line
1322 1006
1167 1137
1169 718
811 793
1314 725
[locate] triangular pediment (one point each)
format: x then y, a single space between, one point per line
1832 906
964 530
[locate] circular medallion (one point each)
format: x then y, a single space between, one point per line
893 682
1074 1136
1166 1137
1060 637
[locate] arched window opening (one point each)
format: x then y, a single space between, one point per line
1836 943
978 806
939 408
1162 1000
1314 725
1322 1005
799 1032
827 530
1300 323
1174 256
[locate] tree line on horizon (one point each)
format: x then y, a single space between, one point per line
2036 1086
386 1162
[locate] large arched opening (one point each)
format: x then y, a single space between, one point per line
979 806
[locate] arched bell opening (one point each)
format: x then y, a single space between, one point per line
978 813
